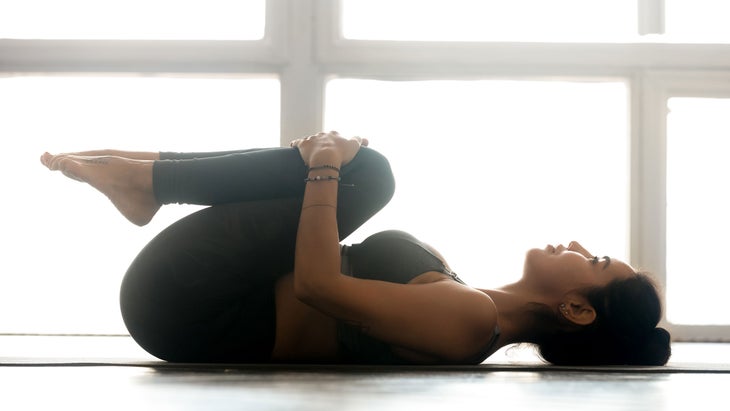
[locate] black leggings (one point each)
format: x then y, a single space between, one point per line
203 289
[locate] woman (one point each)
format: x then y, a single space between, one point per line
261 275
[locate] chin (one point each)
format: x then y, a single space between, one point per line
535 253
532 258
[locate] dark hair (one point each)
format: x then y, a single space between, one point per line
624 332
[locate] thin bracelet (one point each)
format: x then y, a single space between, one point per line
322 167
319 205
322 178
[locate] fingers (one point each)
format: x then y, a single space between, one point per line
363 141
297 142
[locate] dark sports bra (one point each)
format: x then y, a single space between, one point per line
393 256
397 257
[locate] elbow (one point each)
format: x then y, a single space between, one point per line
306 290
314 292
303 290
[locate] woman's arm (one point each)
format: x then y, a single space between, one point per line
442 319
317 255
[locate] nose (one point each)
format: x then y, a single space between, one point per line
575 246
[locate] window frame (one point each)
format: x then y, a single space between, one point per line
659 87
302 45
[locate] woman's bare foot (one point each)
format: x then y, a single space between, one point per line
126 182
135 155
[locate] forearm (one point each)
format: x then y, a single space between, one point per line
317 253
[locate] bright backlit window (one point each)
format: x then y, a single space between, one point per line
490 20
698 222
487 169
698 20
132 19
65 248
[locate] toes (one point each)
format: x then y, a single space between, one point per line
63 163
54 162
46 158
57 162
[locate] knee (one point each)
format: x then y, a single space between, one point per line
371 172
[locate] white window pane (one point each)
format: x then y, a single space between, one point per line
698 221
490 20
133 19
65 248
486 170
698 20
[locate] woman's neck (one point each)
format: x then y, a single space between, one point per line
515 316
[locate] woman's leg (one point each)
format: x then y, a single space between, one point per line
180 155
263 174
139 187
151 155
126 182
203 289
228 177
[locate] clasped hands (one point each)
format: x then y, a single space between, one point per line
328 148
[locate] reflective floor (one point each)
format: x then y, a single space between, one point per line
34 385
127 388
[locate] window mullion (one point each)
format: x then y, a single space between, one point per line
302 81
651 219
138 56
651 17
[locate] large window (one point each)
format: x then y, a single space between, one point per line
65 247
480 20
685 129
482 185
132 19
510 124
698 20
698 223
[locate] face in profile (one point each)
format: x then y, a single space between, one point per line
562 269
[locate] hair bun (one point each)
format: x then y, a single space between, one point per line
656 348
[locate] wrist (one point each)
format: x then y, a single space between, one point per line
324 167
325 172
325 157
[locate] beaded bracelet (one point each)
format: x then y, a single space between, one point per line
322 178
323 167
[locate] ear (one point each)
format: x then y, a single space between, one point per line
576 309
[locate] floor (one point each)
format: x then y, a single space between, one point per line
112 373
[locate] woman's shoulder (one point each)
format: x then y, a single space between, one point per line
394 236
391 234
475 313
